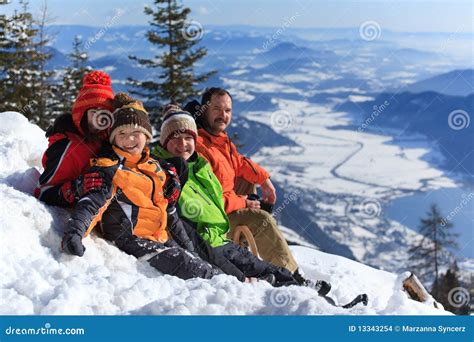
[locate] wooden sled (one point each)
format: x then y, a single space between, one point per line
416 291
242 234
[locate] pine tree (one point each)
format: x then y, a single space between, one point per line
15 83
44 87
24 81
429 254
171 31
72 77
449 292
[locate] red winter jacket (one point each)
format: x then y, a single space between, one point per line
228 164
67 157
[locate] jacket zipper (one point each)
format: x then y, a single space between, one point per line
152 183
200 195
255 171
152 189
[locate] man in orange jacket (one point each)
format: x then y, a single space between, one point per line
214 144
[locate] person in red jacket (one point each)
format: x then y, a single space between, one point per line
73 140
214 116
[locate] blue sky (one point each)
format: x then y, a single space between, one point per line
454 16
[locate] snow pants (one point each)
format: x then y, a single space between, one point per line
240 260
168 258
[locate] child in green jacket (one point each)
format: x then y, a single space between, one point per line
201 202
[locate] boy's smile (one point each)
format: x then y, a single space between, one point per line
131 140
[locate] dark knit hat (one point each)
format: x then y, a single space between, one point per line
176 120
131 115
96 92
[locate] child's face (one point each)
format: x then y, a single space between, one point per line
181 145
131 140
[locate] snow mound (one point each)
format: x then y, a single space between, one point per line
37 278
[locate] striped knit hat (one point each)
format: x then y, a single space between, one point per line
176 120
96 92
131 115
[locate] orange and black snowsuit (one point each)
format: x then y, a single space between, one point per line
132 212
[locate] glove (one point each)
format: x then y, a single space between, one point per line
172 187
72 244
85 184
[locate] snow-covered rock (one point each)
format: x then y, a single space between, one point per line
37 278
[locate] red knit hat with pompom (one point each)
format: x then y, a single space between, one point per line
96 92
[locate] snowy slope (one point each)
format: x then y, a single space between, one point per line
37 278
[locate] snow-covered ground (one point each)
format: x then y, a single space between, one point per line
37 278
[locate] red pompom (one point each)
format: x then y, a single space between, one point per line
97 77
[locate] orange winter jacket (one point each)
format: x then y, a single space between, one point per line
132 200
228 164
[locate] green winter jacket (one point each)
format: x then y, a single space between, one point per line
201 200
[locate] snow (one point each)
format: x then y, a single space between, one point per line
360 98
365 163
37 278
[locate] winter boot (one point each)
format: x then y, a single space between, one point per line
269 278
321 286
